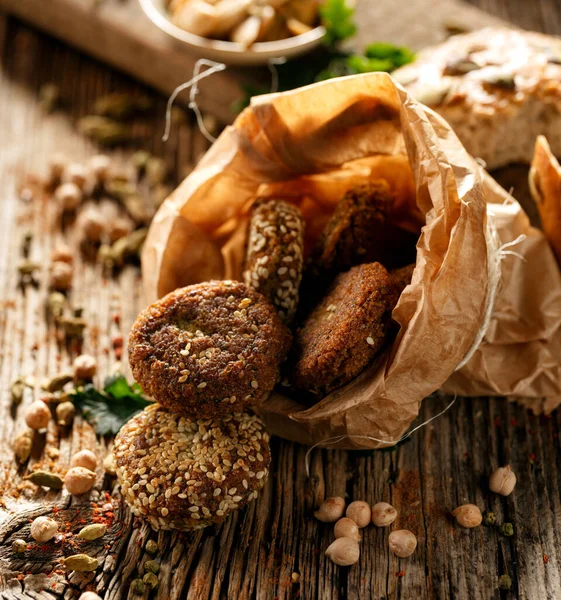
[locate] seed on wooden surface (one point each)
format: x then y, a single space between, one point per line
331 510
505 582
489 518
55 304
151 581
61 276
79 480
468 515
402 543
84 458
343 551
65 412
346 527
153 566
506 529
69 196
383 514
137 586
84 367
77 174
43 529
80 562
23 444
37 415
19 546
93 531
502 481
360 512
45 479
16 390
151 547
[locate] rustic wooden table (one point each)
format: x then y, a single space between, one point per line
274 549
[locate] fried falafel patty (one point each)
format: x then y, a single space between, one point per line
208 349
344 331
184 473
274 255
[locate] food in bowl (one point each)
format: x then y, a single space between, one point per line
245 22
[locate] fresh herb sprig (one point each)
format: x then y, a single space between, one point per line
110 409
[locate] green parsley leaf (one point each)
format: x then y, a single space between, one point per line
110 409
337 18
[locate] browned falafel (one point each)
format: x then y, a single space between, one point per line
344 331
208 349
274 255
186 473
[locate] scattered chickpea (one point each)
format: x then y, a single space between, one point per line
89 596
331 510
37 415
69 195
468 515
43 529
402 542
61 276
62 253
118 229
92 225
383 514
86 459
65 412
343 551
502 481
100 167
347 528
79 480
57 163
360 512
84 367
77 174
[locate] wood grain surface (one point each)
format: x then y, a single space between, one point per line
275 548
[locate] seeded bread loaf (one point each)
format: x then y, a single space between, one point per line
498 88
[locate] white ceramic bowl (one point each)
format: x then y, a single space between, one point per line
229 52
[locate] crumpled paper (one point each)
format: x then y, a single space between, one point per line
309 146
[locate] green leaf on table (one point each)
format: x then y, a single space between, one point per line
398 55
337 18
110 409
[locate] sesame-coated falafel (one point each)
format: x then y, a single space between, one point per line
208 349
187 473
274 255
344 331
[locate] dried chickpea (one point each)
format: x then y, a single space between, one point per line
383 514
84 367
43 529
69 195
79 480
502 481
77 174
100 167
62 253
360 512
37 415
468 515
61 276
402 543
331 510
92 225
86 459
343 552
346 527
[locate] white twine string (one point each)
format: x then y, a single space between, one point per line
271 65
340 438
213 67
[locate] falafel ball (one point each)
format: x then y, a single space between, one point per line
344 331
274 255
208 349
185 473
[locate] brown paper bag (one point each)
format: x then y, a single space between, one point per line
466 301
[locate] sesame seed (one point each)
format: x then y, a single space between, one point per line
369 341
202 385
165 512
254 384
